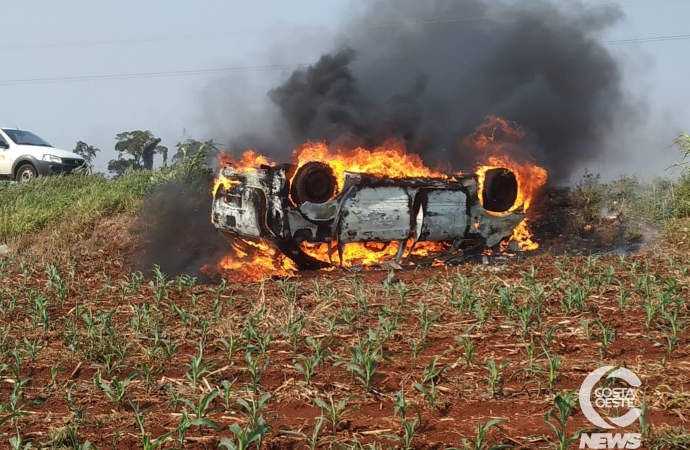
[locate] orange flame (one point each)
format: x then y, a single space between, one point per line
250 261
492 137
391 160
248 162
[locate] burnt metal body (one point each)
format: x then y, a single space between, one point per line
265 204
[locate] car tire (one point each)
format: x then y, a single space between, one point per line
314 182
26 172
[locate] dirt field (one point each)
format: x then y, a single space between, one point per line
92 351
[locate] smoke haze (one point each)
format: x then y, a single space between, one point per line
430 72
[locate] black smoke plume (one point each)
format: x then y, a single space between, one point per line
429 72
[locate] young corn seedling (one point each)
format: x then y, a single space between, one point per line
426 287
418 345
181 313
524 318
147 442
76 411
557 420
432 372
56 282
253 409
365 360
506 298
197 366
293 329
607 334
159 285
141 320
322 290
426 318
670 329
17 443
54 372
244 437
254 343
409 432
40 304
320 349
202 409
170 348
550 372
15 408
387 324
586 328
623 296
482 441
651 309
403 291
574 300
228 393
184 282
289 289
428 385
148 375
314 441
335 412
182 427
32 348
307 367
402 406
230 344
468 348
116 390
255 369
672 323
333 324
362 303
495 378
550 335
348 316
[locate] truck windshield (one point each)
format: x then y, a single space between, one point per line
21 137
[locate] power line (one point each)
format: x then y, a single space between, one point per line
649 39
428 20
150 74
252 68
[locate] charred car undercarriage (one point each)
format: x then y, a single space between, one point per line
288 206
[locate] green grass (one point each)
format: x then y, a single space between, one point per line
652 201
79 199
75 202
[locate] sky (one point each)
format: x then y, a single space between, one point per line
62 67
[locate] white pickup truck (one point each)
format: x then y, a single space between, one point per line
24 156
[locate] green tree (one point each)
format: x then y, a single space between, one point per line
682 143
86 151
191 147
142 146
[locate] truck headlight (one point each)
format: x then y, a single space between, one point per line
52 158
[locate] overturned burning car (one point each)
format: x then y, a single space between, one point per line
292 206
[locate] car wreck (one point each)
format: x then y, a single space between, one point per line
288 205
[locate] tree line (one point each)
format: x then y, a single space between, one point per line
136 150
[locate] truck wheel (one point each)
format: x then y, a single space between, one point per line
26 172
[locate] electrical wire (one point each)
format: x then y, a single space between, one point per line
428 20
251 68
